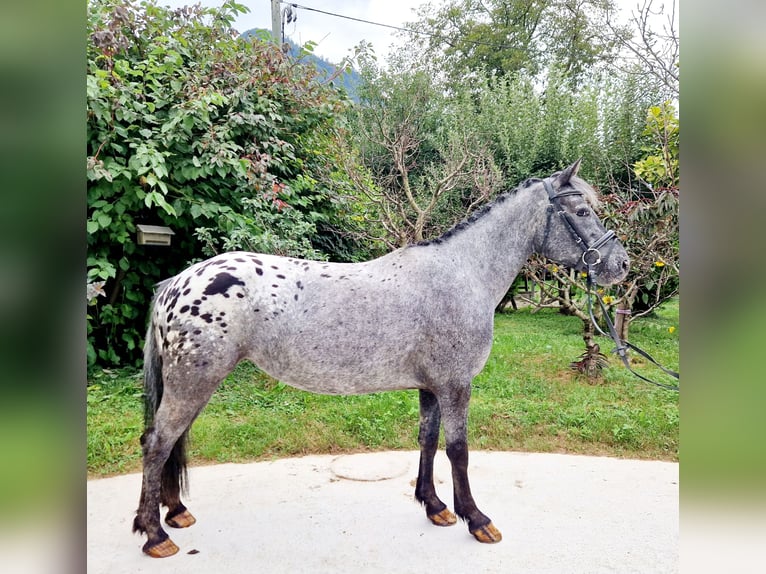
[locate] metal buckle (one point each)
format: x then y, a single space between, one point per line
591 250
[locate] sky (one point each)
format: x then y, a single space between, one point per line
336 37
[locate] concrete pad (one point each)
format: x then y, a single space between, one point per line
356 513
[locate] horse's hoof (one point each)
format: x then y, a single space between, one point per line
162 550
182 520
487 534
444 518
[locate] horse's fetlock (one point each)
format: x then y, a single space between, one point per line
138 525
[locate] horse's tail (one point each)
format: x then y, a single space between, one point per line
174 474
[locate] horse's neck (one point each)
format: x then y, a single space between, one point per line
498 243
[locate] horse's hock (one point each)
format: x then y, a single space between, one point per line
369 467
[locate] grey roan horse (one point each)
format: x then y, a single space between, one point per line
420 317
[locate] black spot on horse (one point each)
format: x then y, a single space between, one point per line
195 311
295 296
259 271
220 284
186 292
207 317
299 285
280 276
183 309
325 275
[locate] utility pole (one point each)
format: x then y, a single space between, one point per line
276 22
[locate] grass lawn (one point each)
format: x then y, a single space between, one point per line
525 399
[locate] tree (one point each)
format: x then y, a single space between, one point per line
648 221
428 166
648 48
225 140
504 37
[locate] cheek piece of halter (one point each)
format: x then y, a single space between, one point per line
592 256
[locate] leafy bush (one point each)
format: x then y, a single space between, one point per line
227 141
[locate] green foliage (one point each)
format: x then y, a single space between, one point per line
660 167
412 131
426 160
226 141
647 219
501 37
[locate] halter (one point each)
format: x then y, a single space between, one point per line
588 251
591 254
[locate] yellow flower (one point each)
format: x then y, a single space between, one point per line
608 299
554 269
583 274
671 329
659 264
600 291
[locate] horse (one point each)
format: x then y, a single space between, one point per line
419 317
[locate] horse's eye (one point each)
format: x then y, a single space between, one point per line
582 212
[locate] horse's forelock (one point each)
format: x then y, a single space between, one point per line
589 193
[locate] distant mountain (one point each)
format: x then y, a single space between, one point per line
348 80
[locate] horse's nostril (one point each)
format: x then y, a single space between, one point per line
625 264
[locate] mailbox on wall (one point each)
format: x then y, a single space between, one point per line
154 235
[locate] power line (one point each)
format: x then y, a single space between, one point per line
410 30
354 19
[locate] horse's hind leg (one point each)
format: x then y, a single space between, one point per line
454 411
428 437
172 481
159 442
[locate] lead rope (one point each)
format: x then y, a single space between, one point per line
621 345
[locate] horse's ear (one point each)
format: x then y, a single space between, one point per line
567 174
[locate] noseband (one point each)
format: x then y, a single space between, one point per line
591 254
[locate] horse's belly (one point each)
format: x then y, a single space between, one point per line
338 374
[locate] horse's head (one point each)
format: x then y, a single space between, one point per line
573 234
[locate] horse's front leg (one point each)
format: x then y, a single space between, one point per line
454 412
428 437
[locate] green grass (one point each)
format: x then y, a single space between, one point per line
525 399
